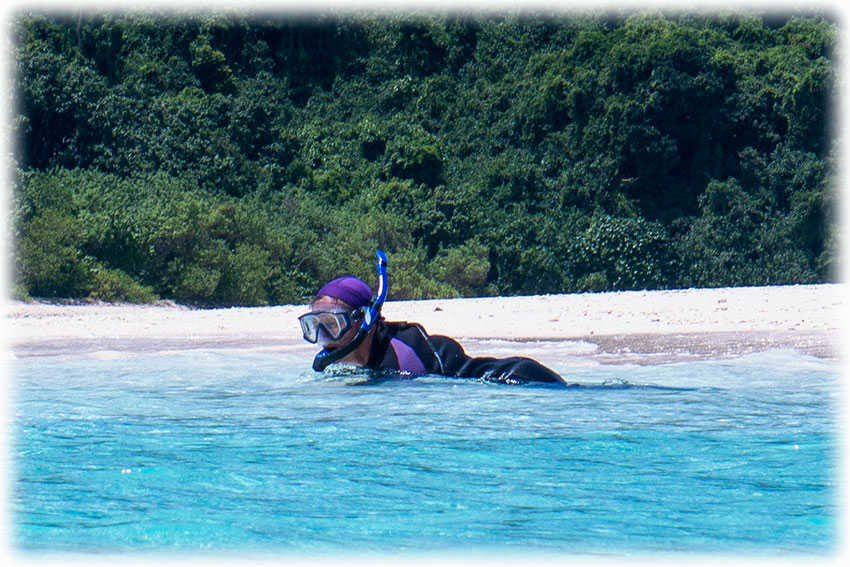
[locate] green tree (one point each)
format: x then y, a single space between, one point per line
244 157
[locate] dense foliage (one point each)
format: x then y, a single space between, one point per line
222 158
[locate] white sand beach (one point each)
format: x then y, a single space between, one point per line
638 326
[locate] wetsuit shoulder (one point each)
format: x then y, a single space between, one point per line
400 346
411 338
438 354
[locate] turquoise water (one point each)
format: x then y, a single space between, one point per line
254 453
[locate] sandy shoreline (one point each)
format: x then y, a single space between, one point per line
641 326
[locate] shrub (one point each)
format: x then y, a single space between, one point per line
114 285
624 253
49 261
464 268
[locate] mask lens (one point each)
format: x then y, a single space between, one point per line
309 327
335 324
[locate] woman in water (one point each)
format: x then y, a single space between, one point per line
346 323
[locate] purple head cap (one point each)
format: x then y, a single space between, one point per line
354 291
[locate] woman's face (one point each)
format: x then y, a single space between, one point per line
326 303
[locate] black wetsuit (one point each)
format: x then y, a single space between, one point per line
407 347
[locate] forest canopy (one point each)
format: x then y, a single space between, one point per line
229 158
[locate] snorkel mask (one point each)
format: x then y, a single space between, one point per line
342 322
328 326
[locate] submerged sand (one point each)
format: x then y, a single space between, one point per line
645 327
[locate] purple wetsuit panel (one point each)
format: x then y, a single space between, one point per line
407 359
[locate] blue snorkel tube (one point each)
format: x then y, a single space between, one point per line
373 313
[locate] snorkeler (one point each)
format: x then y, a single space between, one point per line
346 322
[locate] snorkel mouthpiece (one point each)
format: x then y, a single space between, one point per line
373 313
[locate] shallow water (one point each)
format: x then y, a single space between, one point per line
254 453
